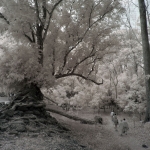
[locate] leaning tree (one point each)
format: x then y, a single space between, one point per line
44 40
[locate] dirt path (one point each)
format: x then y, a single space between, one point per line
104 136
130 141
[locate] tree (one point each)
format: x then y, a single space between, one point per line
53 39
146 54
67 34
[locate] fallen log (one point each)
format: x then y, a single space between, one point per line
84 121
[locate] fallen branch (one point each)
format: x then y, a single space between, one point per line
85 121
50 100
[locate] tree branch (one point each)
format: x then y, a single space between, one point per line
58 76
49 19
85 58
3 17
28 38
84 34
37 11
50 100
32 40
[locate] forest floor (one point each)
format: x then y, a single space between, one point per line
104 137
83 136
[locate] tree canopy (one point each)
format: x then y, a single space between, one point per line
43 40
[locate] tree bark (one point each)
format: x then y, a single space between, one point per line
29 97
26 110
146 54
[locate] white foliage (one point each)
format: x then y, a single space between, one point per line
22 64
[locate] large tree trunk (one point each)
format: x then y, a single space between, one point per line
27 108
146 54
26 112
40 42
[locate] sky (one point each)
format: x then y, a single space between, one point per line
132 12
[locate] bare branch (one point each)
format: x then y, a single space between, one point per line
44 12
53 62
90 15
32 40
49 19
28 38
85 58
93 67
50 100
37 12
79 75
4 18
85 33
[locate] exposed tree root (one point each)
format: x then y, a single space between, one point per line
26 113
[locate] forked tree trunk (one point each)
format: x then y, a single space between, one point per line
29 99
